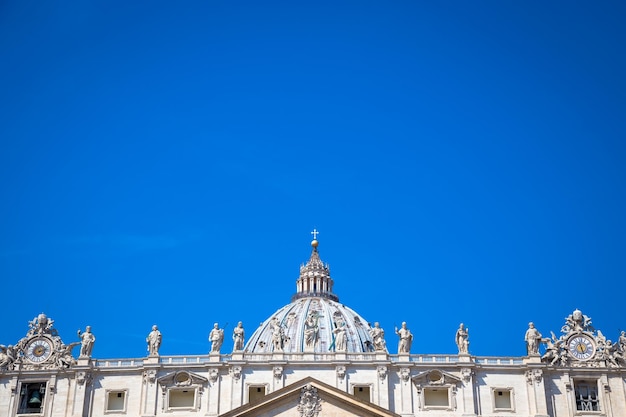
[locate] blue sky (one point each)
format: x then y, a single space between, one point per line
164 163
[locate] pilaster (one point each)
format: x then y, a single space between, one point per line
82 384
150 388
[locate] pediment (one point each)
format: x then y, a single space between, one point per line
309 398
435 377
181 379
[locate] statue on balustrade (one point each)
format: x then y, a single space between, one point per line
154 341
87 340
378 337
462 339
216 337
406 339
533 339
238 337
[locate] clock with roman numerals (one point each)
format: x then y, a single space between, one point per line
581 347
38 350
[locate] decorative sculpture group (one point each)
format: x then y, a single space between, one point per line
579 344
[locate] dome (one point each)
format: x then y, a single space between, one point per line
315 320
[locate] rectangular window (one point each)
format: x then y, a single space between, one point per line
362 393
115 401
586 393
255 393
32 398
502 399
436 397
181 398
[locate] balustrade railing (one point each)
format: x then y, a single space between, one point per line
308 357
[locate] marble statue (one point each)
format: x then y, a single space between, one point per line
622 341
238 337
378 337
40 324
278 335
87 340
341 338
406 339
533 338
555 352
311 328
462 339
577 322
216 337
7 357
154 341
64 358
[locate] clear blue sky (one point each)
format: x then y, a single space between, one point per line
164 163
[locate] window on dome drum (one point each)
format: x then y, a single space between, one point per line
502 399
255 393
32 398
586 393
115 402
436 397
181 398
362 392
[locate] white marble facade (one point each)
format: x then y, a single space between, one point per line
296 365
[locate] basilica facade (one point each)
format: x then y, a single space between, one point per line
315 357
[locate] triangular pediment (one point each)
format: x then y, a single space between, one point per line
435 377
181 379
309 398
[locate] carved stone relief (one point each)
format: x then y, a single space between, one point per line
341 372
235 371
310 403
150 376
534 376
83 378
466 375
405 374
382 372
581 346
213 375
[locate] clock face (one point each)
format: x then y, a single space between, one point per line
38 350
581 347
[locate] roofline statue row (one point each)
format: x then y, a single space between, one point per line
316 322
579 345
